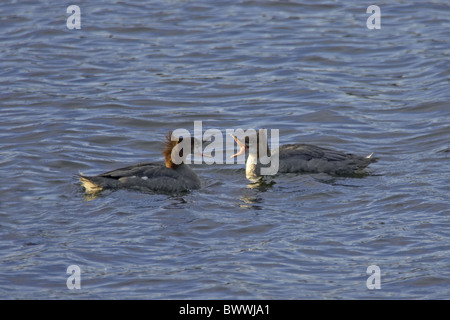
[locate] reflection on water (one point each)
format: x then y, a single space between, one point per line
251 202
262 183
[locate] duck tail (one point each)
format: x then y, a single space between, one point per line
89 185
372 159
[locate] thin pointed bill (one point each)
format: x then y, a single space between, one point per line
241 144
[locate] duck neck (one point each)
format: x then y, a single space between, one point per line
256 161
172 152
252 166
169 163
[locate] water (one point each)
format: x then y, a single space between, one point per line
103 96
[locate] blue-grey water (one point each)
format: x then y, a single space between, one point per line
103 96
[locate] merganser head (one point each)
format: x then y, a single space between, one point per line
175 149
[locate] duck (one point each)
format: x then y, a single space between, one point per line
174 176
298 158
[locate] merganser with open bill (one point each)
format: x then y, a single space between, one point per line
150 177
299 158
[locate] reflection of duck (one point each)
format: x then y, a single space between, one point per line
170 178
300 158
251 202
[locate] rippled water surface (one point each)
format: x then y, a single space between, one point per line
104 96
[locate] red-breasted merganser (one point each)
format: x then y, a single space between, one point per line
300 158
168 178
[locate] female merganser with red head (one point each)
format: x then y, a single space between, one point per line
168 178
299 158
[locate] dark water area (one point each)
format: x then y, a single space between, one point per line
103 96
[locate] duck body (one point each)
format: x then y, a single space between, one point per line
311 158
150 177
145 177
